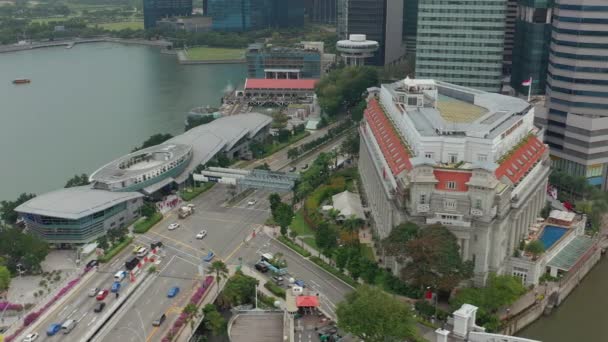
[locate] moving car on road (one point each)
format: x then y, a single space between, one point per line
292 169
30 337
115 287
68 325
102 294
142 252
251 202
93 292
157 322
99 307
201 234
92 263
173 292
305 167
209 257
53 329
136 248
120 275
173 226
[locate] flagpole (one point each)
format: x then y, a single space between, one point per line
530 89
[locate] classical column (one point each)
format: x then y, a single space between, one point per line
465 249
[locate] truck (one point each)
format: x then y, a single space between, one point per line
185 211
275 270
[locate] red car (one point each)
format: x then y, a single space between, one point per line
102 294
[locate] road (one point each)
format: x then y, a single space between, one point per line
227 227
79 306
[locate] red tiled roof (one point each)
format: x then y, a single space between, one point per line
394 151
521 160
307 301
460 178
264 83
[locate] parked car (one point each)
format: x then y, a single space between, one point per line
201 234
157 322
305 167
209 257
53 329
115 287
93 292
251 202
173 292
292 169
156 244
173 226
102 294
30 337
261 267
278 280
99 307
92 263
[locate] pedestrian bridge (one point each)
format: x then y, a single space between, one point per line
257 179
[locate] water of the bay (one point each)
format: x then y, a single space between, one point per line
581 317
90 104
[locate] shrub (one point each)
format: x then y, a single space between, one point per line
115 250
275 289
293 246
145 225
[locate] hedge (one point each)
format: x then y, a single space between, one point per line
266 300
295 247
275 289
145 225
189 195
115 250
334 271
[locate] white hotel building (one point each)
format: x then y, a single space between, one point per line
438 153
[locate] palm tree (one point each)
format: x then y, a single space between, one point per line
352 225
192 311
221 271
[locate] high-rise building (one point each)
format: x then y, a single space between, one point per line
576 115
410 25
323 11
243 15
379 20
158 9
531 46
461 42
282 62
510 17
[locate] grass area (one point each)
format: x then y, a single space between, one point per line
145 225
294 246
300 226
189 193
275 289
203 53
334 271
121 25
311 242
368 252
112 252
52 19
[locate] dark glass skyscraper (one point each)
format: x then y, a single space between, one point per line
531 45
243 15
157 9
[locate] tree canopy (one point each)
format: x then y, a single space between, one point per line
214 321
7 208
344 87
535 248
77 180
431 256
5 278
154 140
374 316
239 289
25 249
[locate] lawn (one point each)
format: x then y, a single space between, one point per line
367 252
189 193
51 19
300 226
121 25
145 225
203 53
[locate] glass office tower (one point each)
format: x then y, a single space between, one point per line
158 9
461 42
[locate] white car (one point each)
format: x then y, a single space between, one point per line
173 226
251 202
92 292
30 337
201 234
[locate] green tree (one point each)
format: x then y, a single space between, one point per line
102 242
395 243
341 258
22 248
264 166
293 153
283 215
274 199
239 289
344 87
535 248
77 180
148 209
213 320
356 113
5 278
221 271
374 316
352 225
7 208
434 260
326 237
350 145
154 140
193 122
284 135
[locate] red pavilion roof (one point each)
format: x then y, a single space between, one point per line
264 83
521 160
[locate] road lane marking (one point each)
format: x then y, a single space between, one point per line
83 316
178 242
92 321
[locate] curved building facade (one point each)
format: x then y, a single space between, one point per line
576 116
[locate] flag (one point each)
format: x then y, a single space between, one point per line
527 82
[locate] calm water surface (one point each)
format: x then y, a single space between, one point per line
90 104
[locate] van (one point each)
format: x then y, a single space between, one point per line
267 257
120 275
68 325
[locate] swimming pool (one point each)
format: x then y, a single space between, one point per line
551 234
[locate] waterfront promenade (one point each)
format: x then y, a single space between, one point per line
163 44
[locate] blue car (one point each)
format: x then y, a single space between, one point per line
173 292
115 287
53 329
209 257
